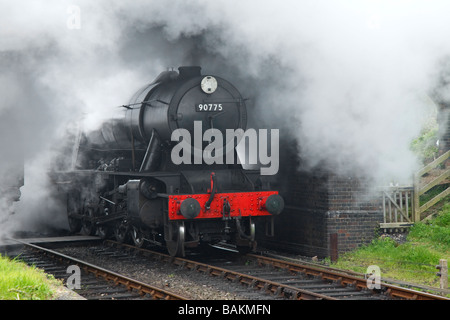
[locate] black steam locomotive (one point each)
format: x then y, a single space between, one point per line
125 183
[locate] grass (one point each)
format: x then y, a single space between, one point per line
21 282
414 260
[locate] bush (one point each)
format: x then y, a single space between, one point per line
425 145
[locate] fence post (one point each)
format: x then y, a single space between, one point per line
443 273
334 247
416 204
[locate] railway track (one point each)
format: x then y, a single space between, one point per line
259 276
341 285
98 283
285 280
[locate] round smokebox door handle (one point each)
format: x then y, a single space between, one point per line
209 84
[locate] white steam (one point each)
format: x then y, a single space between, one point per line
347 79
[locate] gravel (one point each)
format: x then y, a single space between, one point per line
398 237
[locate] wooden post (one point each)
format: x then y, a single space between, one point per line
443 273
416 204
334 247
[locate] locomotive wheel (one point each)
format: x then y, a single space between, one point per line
121 231
88 225
137 236
176 247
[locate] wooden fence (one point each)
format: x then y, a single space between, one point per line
401 205
398 208
420 190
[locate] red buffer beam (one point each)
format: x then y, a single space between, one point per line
236 204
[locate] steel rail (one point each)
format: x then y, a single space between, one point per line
129 283
345 279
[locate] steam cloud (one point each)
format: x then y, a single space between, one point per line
347 79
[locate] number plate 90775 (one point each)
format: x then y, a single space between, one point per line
209 107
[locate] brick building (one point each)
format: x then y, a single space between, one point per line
321 205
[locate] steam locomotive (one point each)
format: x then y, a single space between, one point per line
125 184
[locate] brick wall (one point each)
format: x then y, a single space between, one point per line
320 203
354 211
353 228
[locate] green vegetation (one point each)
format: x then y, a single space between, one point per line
425 146
21 282
412 261
430 194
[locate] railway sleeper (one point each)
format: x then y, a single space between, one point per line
115 297
93 287
298 283
323 287
99 290
347 294
42 265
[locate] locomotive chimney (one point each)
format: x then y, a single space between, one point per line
189 72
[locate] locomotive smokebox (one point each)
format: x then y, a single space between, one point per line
177 104
174 100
